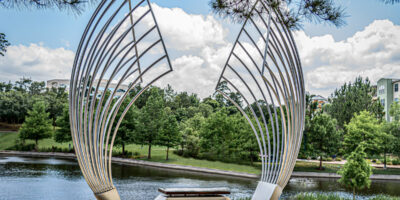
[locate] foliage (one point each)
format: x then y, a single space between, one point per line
394 111
352 98
228 138
364 127
323 136
169 136
129 126
3 43
357 171
16 99
151 119
316 196
63 133
55 99
75 6
37 125
311 10
331 196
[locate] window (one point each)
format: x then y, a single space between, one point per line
382 89
396 87
383 102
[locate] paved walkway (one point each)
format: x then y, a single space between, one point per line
342 162
127 161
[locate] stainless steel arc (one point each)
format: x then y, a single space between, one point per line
121 48
264 69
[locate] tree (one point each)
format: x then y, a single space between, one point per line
55 99
190 136
357 171
394 111
128 127
352 98
152 119
323 136
169 136
388 140
311 111
37 124
3 43
75 6
63 133
364 127
395 127
299 10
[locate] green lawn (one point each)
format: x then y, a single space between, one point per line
7 141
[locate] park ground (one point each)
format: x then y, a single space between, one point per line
8 140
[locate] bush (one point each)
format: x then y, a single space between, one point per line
329 159
396 162
338 159
316 196
378 162
384 197
23 147
321 196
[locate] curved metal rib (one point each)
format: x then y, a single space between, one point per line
274 77
121 48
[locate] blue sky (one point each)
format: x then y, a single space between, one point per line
54 31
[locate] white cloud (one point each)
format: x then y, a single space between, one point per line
373 52
184 31
35 61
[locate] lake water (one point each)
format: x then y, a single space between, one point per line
56 179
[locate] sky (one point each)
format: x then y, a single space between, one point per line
43 44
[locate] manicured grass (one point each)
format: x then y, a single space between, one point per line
7 142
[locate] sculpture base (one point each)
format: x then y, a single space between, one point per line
267 191
109 195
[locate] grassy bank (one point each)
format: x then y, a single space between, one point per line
8 141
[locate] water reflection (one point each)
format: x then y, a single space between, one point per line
32 178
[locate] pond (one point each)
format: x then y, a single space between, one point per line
34 178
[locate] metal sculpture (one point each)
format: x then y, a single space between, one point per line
264 69
117 48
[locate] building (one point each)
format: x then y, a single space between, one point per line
320 100
58 83
388 92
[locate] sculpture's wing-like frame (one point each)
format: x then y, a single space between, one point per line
121 47
264 69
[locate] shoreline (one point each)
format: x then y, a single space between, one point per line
130 162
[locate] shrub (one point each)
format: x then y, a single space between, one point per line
329 159
384 197
338 159
316 196
378 162
396 162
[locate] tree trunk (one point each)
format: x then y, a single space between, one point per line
149 153
36 145
384 162
320 163
354 193
123 149
167 152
